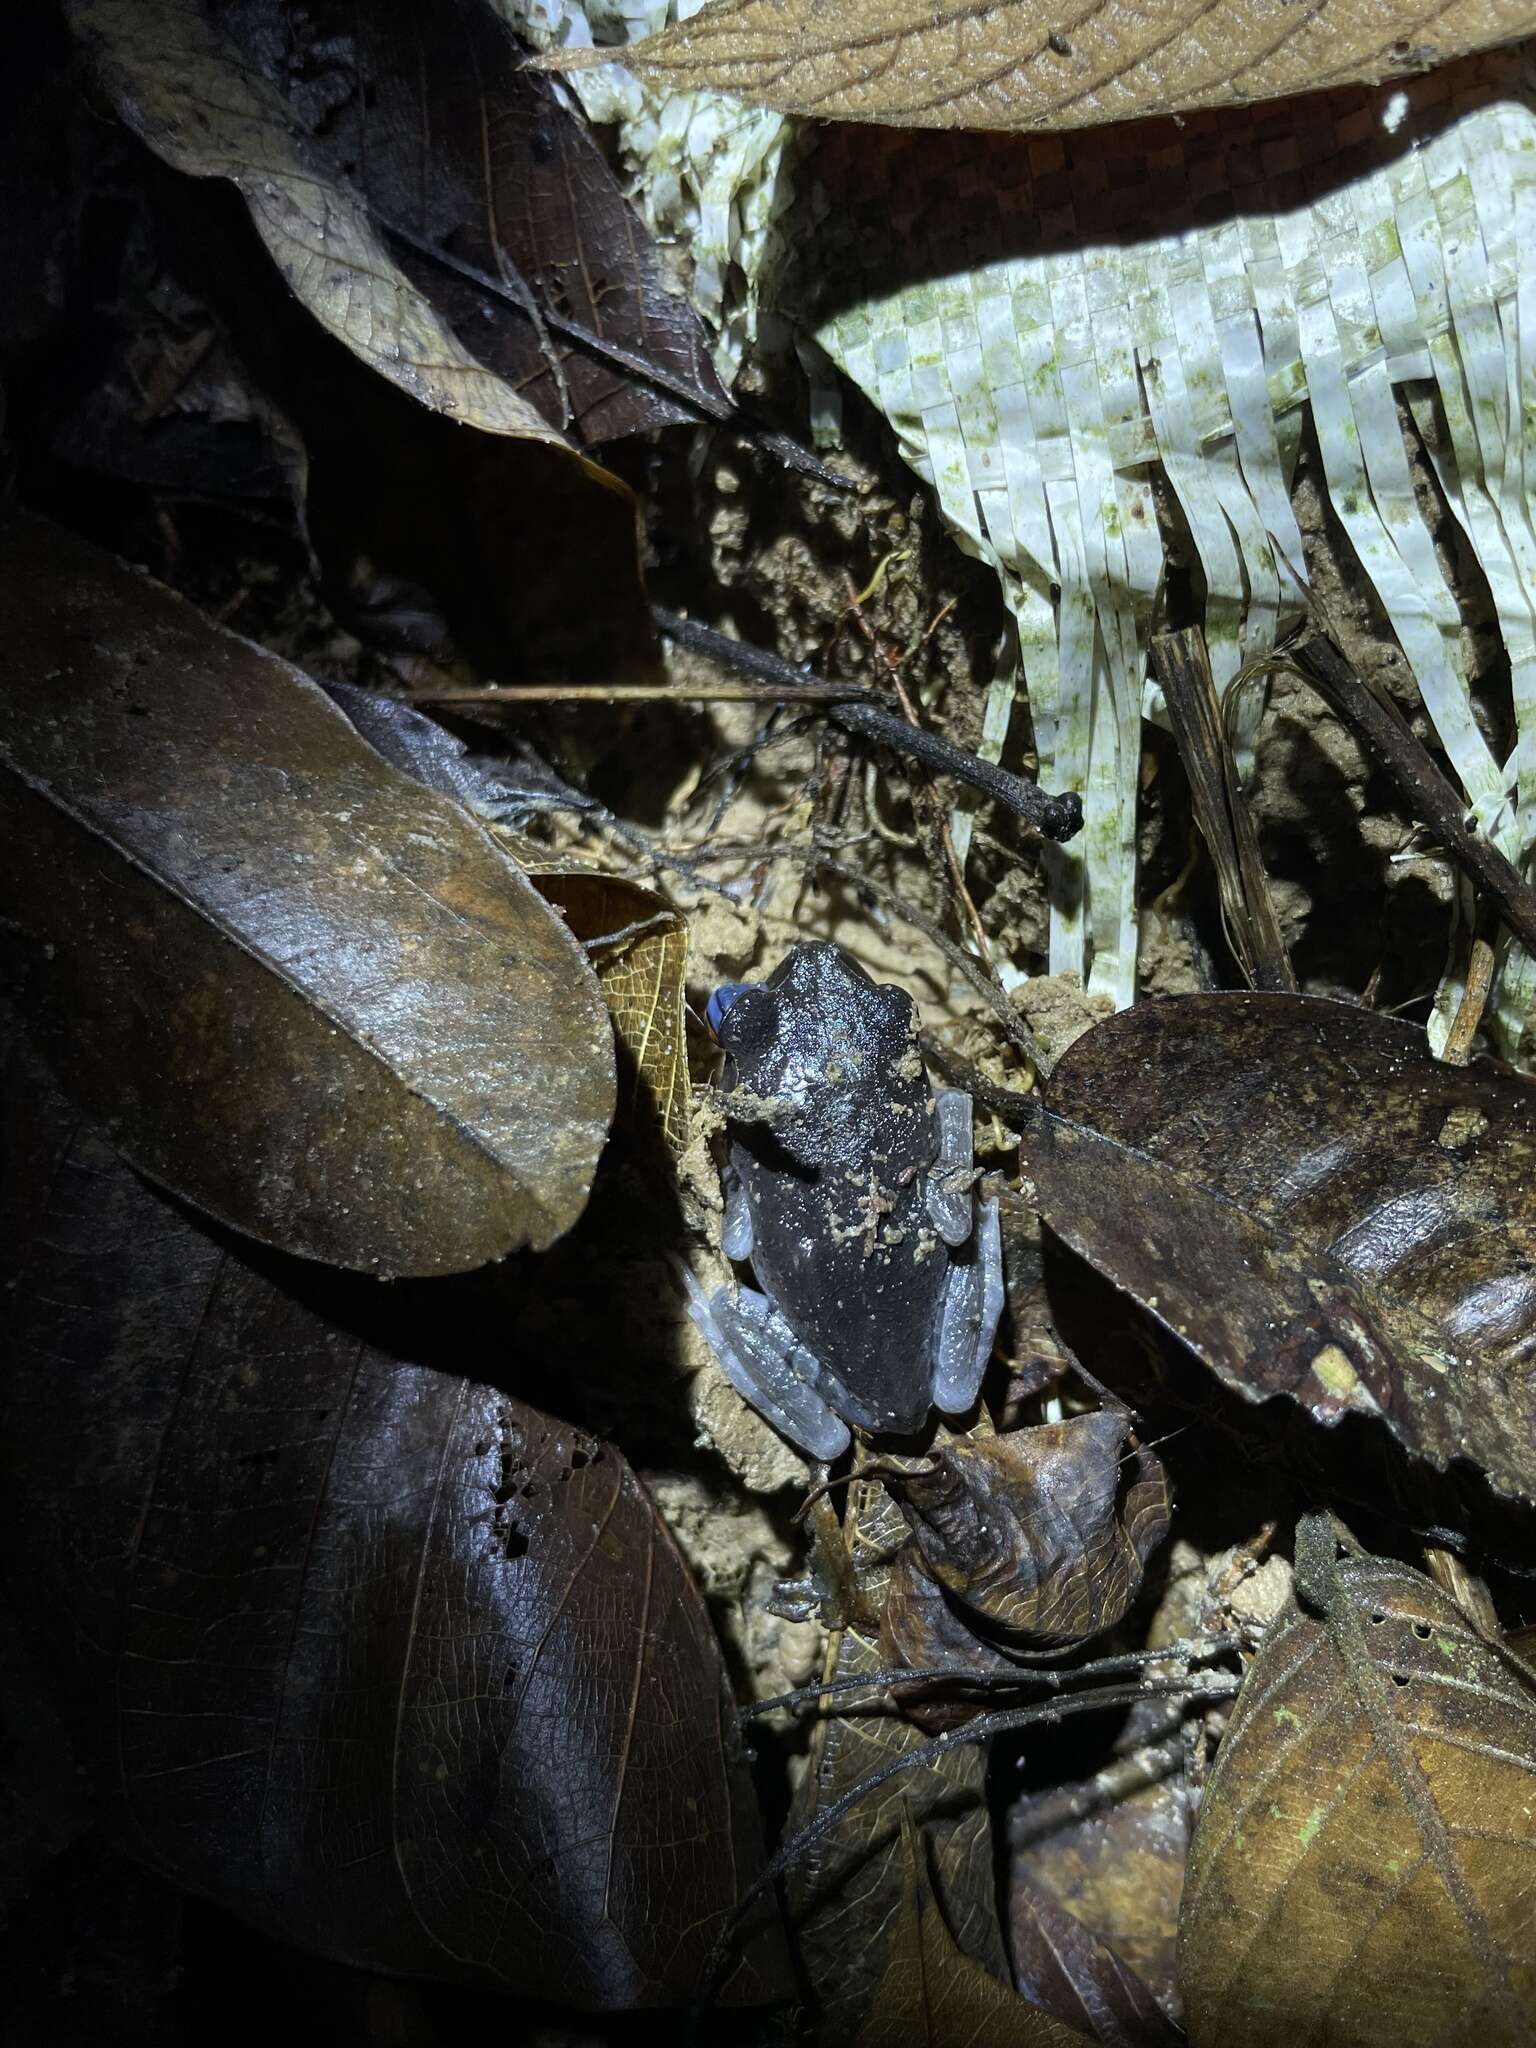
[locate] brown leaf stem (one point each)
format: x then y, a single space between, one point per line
1428 793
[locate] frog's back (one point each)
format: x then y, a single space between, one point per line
833 1134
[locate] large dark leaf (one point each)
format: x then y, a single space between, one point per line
638 941
382 1658
1317 1207
184 88
489 194
301 990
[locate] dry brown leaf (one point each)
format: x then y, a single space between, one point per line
1365 1855
187 92
932 1996
957 64
1111 1851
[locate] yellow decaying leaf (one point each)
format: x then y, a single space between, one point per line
1364 1861
642 971
933 1996
1010 64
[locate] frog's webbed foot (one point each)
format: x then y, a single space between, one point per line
767 1365
973 1292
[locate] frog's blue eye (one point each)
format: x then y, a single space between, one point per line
722 1000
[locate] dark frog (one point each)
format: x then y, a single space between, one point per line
850 1188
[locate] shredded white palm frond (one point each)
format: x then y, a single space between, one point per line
1056 325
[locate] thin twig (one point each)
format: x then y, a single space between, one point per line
1048 1678
944 863
1200 1685
514 291
862 711
1474 996
1139 1768
812 692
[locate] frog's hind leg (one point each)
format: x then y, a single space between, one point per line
973 1302
767 1365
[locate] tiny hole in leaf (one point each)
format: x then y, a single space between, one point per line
1399 1678
1421 1630
1377 1618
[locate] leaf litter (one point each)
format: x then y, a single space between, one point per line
1086 1722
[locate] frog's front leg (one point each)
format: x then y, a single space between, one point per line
973 1293
766 1363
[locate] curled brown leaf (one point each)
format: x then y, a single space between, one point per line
1042 1533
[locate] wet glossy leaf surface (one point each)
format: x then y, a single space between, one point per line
380 1657
1010 65
1365 1853
637 942
302 991
1317 1207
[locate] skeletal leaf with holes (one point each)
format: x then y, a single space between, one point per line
1365 1854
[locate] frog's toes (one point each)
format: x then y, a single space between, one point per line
948 1194
767 1365
736 1225
973 1302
